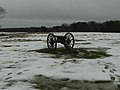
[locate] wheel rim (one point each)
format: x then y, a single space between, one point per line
69 39
51 41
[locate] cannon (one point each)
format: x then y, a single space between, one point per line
67 40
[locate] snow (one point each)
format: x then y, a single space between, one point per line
17 63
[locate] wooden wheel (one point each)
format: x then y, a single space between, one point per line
51 41
69 39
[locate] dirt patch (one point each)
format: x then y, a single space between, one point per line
46 83
87 53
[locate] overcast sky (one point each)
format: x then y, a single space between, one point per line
61 10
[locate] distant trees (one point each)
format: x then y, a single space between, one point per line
43 29
111 25
2 13
91 26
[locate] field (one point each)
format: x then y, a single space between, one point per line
27 64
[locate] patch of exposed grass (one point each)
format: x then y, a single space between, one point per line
86 43
116 42
87 53
21 40
2 34
15 35
10 45
6 46
79 40
47 83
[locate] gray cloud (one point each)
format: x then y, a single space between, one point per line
62 9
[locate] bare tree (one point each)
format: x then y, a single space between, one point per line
2 13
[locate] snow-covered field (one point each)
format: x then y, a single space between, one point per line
18 65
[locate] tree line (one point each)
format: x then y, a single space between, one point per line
91 26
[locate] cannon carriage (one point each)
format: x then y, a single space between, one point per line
67 40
